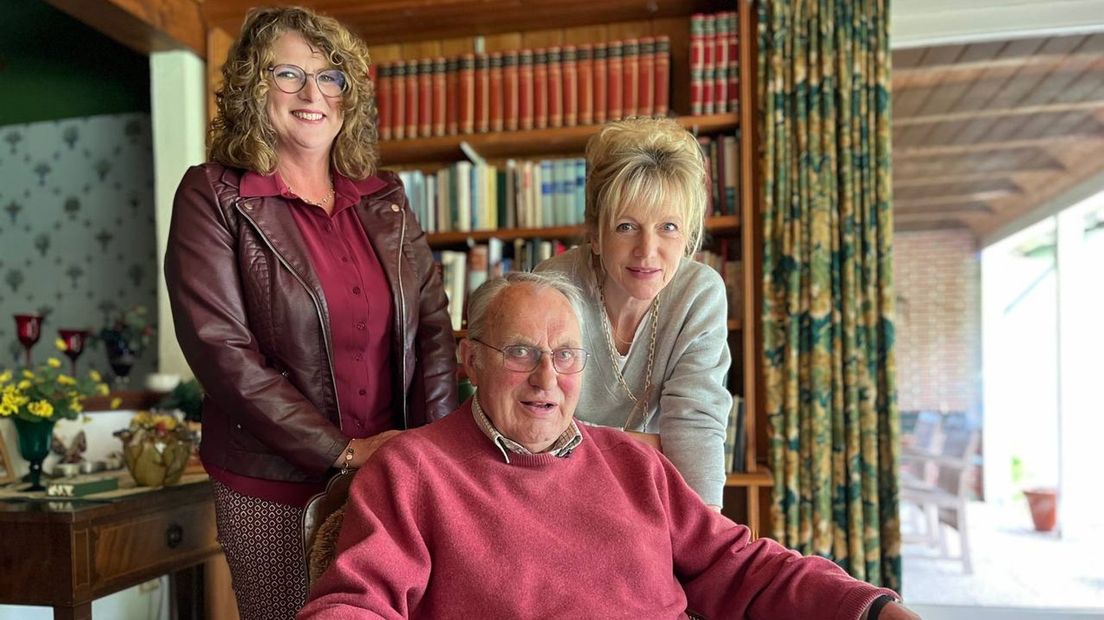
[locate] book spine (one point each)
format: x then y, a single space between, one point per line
630 77
733 71
412 106
425 97
452 96
709 66
440 96
510 94
662 88
697 61
495 88
398 100
540 88
570 92
525 89
555 87
584 83
720 62
645 99
482 93
613 83
599 85
466 110
383 101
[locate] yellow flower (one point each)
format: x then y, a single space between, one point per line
115 402
53 362
41 408
59 344
24 384
28 374
102 389
95 376
66 380
75 405
5 376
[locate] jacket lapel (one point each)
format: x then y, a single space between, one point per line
274 221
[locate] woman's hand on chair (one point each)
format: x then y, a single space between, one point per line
363 449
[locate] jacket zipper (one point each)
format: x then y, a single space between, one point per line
402 316
314 299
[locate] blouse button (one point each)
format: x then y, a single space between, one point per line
395 208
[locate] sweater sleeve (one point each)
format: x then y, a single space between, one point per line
694 404
382 565
725 574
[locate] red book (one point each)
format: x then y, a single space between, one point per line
525 89
452 96
440 96
709 65
720 61
613 83
630 74
662 88
540 89
398 100
482 93
733 46
599 85
412 99
569 90
645 99
425 97
383 101
495 97
584 83
511 106
555 88
466 111
697 61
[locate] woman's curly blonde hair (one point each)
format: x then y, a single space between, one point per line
241 134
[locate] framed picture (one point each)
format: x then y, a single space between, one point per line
7 472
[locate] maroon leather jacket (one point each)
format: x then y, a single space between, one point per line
251 318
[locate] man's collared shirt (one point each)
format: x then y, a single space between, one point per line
564 445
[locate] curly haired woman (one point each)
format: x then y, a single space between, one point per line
303 293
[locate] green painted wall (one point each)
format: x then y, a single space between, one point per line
53 66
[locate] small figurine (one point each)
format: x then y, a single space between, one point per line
74 452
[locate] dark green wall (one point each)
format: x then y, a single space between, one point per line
53 66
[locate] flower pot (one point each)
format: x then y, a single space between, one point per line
155 461
1044 508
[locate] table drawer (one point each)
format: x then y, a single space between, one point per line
152 542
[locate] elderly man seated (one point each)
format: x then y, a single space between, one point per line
508 509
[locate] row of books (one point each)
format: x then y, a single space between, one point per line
483 196
523 89
722 161
714 63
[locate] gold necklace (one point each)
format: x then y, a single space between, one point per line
642 401
321 203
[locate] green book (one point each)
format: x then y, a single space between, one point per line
81 485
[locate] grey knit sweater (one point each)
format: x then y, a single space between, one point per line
689 404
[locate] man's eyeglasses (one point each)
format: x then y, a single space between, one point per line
291 79
523 358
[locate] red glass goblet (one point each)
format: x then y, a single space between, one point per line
29 329
74 340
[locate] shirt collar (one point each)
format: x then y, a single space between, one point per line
347 192
564 445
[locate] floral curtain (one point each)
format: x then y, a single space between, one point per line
824 96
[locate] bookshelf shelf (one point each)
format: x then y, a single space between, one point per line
720 226
521 144
760 477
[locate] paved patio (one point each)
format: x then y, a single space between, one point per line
1014 568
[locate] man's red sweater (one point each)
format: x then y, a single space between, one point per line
439 525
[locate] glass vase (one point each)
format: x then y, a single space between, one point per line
34 445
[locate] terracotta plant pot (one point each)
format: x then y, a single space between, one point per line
1044 508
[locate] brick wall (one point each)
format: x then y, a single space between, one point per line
938 280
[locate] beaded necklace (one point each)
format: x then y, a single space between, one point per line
640 402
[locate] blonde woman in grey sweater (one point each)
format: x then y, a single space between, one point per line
655 321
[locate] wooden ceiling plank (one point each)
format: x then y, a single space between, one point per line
1096 103
921 181
990 145
971 198
922 225
935 209
143 26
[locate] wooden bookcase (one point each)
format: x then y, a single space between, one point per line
567 22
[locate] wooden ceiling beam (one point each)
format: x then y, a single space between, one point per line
953 199
1029 110
925 225
969 177
959 149
942 210
143 26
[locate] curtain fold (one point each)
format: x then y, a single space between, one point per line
828 303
